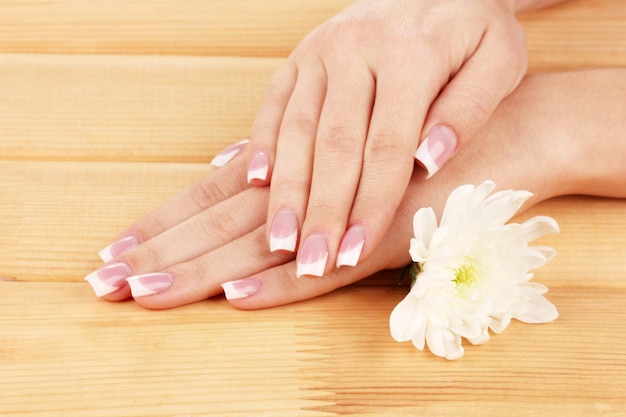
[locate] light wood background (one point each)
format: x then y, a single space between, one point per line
108 107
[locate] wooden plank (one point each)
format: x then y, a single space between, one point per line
59 214
56 216
272 28
80 356
108 108
189 27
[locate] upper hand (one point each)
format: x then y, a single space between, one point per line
342 119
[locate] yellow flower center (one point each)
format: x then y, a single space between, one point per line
467 275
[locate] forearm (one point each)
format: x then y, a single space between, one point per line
572 126
556 134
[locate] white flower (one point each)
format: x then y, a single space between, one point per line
473 271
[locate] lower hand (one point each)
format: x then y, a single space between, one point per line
213 232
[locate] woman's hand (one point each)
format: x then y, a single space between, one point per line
543 138
342 119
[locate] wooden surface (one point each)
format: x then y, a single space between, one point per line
109 107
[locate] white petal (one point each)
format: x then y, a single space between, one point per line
538 310
537 227
408 319
456 205
503 205
480 339
424 225
535 287
481 193
498 324
537 256
444 343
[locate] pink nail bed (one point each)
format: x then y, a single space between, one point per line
284 232
351 247
243 288
149 284
118 247
436 149
229 153
109 278
259 167
312 256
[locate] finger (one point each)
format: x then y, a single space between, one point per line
337 164
405 88
470 98
291 177
279 285
221 184
266 126
200 278
200 234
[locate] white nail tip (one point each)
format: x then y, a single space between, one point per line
287 243
126 243
105 254
258 174
350 257
423 155
137 288
225 156
99 287
232 293
154 284
315 268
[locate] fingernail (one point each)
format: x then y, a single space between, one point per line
259 167
284 232
229 153
436 149
312 256
351 246
118 247
109 278
149 284
235 290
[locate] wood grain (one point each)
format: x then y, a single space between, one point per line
328 356
127 108
109 107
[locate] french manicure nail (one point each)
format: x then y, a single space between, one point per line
312 256
243 288
436 149
259 167
229 153
118 247
351 246
284 231
109 278
149 284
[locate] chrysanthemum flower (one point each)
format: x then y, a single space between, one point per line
473 271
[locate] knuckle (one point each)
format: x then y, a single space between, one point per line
389 144
475 106
205 193
338 141
305 123
215 228
145 259
287 186
321 208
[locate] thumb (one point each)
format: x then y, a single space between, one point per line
468 101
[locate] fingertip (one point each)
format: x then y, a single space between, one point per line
241 289
258 169
436 149
351 247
